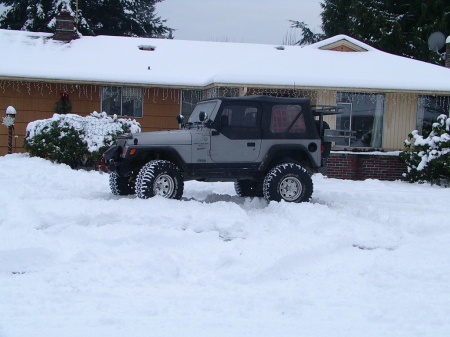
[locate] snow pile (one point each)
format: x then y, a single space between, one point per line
96 129
365 258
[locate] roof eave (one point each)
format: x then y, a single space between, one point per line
84 82
228 85
353 89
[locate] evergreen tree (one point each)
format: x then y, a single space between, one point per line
397 27
308 37
94 17
336 17
27 15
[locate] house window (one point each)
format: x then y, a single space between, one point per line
363 114
190 98
428 110
122 101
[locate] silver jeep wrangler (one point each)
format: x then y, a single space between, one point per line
268 146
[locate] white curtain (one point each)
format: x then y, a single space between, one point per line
420 113
377 128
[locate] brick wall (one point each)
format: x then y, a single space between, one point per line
447 56
65 27
360 166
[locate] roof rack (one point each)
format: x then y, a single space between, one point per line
326 110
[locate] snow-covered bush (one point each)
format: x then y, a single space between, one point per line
428 158
75 140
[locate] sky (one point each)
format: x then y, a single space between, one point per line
248 21
363 258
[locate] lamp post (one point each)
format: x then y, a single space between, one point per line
8 121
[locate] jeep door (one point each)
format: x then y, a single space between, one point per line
236 136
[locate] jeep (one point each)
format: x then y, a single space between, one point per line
268 146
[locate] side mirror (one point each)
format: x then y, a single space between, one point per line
180 119
202 116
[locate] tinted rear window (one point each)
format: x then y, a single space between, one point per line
284 115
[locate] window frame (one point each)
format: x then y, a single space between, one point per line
352 100
423 123
121 90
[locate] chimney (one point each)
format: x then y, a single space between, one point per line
65 27
447 53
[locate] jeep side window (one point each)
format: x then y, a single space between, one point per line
287 118
241 115
240 121
250 115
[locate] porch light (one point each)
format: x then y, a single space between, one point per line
10 116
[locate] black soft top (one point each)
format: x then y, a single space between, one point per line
263 98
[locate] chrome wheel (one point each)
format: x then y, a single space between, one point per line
164 185
290 188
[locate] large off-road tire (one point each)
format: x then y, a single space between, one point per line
248 188
289 182
159 177
120 185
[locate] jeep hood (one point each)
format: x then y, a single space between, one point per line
173 137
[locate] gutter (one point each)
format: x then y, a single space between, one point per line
225 85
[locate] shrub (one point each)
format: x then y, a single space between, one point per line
428 159
75 140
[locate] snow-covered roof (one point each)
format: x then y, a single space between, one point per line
162 62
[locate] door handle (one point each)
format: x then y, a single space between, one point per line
251 144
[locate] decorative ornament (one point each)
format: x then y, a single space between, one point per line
63 106
8 121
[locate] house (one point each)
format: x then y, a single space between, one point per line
384 96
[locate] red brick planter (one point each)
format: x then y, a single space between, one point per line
361 166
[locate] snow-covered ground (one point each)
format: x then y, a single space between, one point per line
364 258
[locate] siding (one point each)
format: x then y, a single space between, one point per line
161 106
327 98
399 119
34 101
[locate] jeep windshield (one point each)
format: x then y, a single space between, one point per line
206 107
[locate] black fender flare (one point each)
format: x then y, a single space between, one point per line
112 153
272 153
141 151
